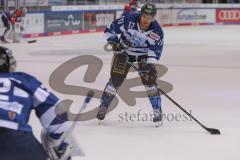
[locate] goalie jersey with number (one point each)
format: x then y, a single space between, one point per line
21 93
137 41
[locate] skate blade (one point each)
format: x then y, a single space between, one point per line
99 122
158 124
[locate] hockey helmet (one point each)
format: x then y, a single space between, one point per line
149 8
7 61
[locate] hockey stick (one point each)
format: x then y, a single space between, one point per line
88 98
18 37
31 41
83 107
210 130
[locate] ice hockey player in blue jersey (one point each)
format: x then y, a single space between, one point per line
20 94
135 38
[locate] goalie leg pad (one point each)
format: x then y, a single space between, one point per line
57 149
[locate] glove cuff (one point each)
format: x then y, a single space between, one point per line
152 60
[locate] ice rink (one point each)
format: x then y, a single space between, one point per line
204 68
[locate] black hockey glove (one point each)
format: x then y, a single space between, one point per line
149 74
149 68
117 47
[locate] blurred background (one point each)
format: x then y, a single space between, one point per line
61 17
40 3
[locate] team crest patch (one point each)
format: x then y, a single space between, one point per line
11 115
154 36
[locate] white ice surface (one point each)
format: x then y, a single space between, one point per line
203 66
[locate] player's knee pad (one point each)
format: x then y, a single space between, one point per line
108 94
116 81
152 90
149 75
110 89
113 85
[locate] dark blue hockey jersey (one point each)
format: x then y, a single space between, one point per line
21 93
138 42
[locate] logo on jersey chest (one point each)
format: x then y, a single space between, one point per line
154 36
137 39
11 115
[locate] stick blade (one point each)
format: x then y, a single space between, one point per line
32 41
214 131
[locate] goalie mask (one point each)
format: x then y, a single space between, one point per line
7 61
